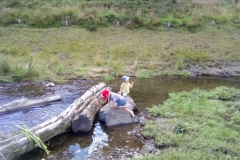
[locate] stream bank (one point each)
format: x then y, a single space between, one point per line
219 69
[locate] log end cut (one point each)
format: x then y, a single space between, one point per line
81 124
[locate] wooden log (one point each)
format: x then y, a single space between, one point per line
24 104
83 122
14 147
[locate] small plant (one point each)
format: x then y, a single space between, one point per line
9 51
13 3
30 67
108 77
82 72
60 70
180 128
17 73
4 66
180 63
143 75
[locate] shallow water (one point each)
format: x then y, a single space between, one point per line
146 93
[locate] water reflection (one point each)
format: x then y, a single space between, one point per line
99 140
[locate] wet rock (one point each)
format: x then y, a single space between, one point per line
50 84
148 147
127 152
64 153
129 155
67 153
113 116
140 137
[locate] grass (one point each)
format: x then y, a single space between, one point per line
60 53
197 125
48 39
92 14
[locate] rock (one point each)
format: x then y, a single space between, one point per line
130 103
114 116
50 84
140 137
148 147
128 155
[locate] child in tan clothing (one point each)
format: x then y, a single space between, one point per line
125 87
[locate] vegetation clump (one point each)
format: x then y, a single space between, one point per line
92 14
197 125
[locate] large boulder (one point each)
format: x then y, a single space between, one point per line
113 116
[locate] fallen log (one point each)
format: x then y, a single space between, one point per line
24 104
83 122
14 147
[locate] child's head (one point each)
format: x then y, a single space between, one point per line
105 94
125 78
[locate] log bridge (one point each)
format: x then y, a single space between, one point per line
79 117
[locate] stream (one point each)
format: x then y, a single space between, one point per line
145 93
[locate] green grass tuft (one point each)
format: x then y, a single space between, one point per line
108 77
203 122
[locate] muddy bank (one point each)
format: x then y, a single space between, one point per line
216 69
